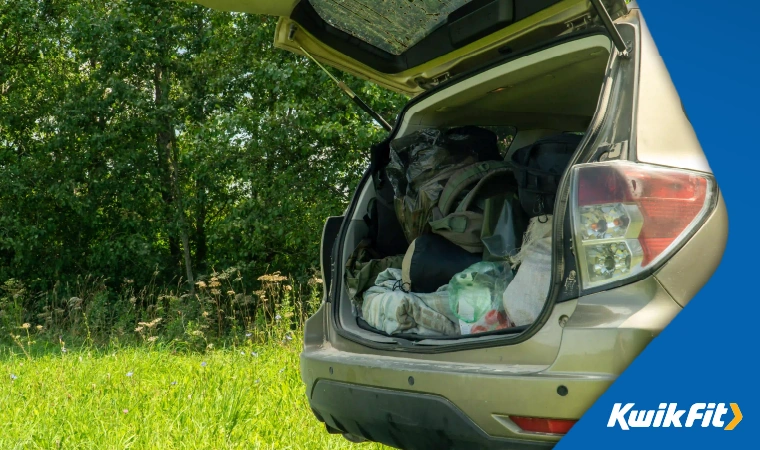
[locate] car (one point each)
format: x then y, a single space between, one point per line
527 69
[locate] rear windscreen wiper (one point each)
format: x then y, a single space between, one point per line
344 87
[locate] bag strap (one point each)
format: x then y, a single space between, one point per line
463 178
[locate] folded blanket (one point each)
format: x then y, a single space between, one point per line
388 308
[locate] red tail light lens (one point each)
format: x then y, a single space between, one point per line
538 425
627 217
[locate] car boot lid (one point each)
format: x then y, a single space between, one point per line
410 46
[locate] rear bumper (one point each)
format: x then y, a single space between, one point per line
465 399
413 404
405 420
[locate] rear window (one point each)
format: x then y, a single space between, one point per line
505 134
390 25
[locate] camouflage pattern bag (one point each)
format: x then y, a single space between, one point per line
363 267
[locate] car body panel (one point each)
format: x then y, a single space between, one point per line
664 135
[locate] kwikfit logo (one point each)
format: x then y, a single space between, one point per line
668 415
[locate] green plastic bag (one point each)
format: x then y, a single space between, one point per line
477 292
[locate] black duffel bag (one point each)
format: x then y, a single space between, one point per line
539 168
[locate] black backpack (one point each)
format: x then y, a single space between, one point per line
384 230
538 168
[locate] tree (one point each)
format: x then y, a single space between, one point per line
147 138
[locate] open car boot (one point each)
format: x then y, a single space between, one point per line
477 230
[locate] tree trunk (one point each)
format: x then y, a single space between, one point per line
201 247
169 168
182 221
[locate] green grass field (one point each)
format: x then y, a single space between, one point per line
151 397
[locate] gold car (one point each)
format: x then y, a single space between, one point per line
534 68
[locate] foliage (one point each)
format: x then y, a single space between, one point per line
149 142
244 396
168 383
220 312
143 145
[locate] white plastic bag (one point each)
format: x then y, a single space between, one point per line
526 294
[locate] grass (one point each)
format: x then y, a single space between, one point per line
150 396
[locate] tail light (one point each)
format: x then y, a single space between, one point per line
541 425
628 217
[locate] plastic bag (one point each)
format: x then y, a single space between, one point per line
420 164
475 297
500 234
526 294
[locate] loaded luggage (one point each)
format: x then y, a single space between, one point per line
446 233
538 169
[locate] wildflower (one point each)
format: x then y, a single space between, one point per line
64 350
257 381
138 329
277 317
174 383
254 354
288 287
210 346
248 335
242 353
215 292
214 283
201 284
129 374
274 278
197 333
289 337
205 313
150 324
203 364
26 326
152 338
125 411
13 377
230 292
282 370
39 327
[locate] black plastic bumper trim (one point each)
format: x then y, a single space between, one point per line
406 420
